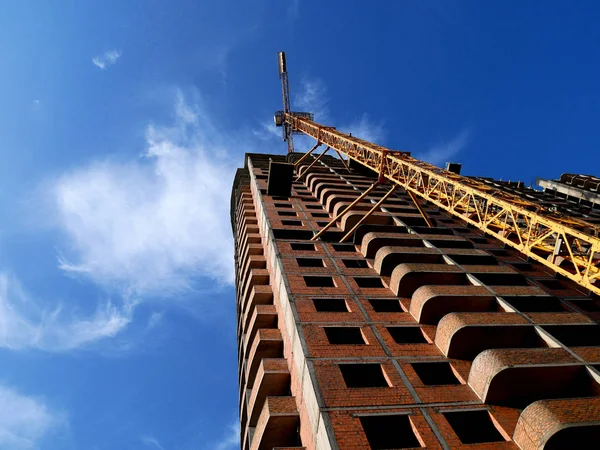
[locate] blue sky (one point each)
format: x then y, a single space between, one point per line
122 123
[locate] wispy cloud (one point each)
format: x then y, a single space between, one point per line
312 97
156 224
151 442
366 129
442 152
267 131
231 438
293 9
107 59
25 421
24 324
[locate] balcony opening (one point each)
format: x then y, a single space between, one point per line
344 247
552 284
319 281
310 262
522 266
297 235
330 305
283 205
355 263
301 247
319 215
477 240
480 260
368 282
536 304
363 375
291 223
287 213
407 335
386 305
473 427
313 206
435 373
344 335
575 335
323 224
587 305
389 431
501 279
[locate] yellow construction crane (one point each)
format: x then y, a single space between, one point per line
567 245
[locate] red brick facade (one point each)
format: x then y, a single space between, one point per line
409 336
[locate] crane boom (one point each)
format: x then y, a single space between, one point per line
566 245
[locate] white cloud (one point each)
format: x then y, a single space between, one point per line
267 131
155 319
24 324
312 98
153 225
25 421
441 153
365 129
107 59
151 442
231 439
293 9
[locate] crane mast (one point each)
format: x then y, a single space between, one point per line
567 245
288 130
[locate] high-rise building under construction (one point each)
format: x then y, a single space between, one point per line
384 303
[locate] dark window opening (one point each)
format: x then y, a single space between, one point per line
435 373
575 335
501 279
355 263
389 431
322 224
313 206
363 375
303 247
587 305
261 177
407 335
369 282
473 427
330 304
552 284
344 247
284 205
319 215
291 223
297 235
386 305
536 304
310 262
285 199
478 240
344 335
319 281
498 251
522 266
287 213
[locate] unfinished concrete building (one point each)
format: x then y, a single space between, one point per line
385 303
419 332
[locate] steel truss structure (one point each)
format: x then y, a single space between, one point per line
566 245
